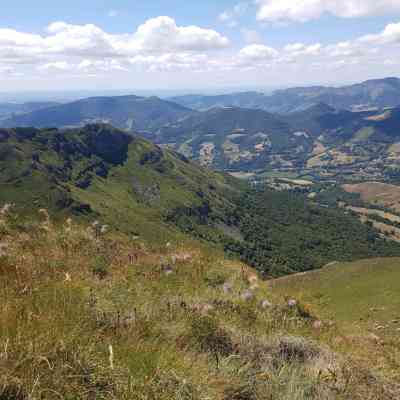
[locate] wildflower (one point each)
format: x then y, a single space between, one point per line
5 209
227 287
67 277
3 248
247 295
68 225
317 325
292 303
266 304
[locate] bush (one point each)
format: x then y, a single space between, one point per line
209 337
100 267
240 393
215 279
12 391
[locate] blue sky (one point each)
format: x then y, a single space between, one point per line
195 44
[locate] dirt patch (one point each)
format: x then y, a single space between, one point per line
377 192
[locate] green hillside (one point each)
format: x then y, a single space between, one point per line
362 298
92 313
101 172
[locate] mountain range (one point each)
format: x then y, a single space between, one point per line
321 132
377 93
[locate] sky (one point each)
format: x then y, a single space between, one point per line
195 45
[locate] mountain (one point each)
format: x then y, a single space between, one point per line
8 109
235 138
320 142
121 279
378 93
203 103
125 112
99 172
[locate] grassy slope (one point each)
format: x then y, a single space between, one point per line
139 189
360 294
87 315
131 183
363 297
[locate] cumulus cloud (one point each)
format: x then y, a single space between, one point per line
390 35
258 52
157 35
370 49
160 45
162 34
305 10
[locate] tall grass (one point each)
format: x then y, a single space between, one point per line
92 314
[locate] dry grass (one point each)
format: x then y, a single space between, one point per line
376 192
90 314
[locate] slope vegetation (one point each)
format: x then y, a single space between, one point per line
90 313
140 189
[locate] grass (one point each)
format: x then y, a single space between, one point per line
89 314
362 298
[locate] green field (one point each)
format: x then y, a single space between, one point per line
363 296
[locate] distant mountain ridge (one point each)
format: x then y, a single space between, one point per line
125 112
377 93
8 109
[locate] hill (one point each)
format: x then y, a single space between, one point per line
125 112
101 172
377 93
235 138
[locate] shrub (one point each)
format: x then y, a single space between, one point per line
215 279
100 267
240 393
12 391
209 336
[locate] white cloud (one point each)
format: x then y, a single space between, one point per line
162 34
258 52
157 35
57 66
305 10
390 35
160 45
298 49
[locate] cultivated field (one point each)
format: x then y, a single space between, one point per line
377 192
